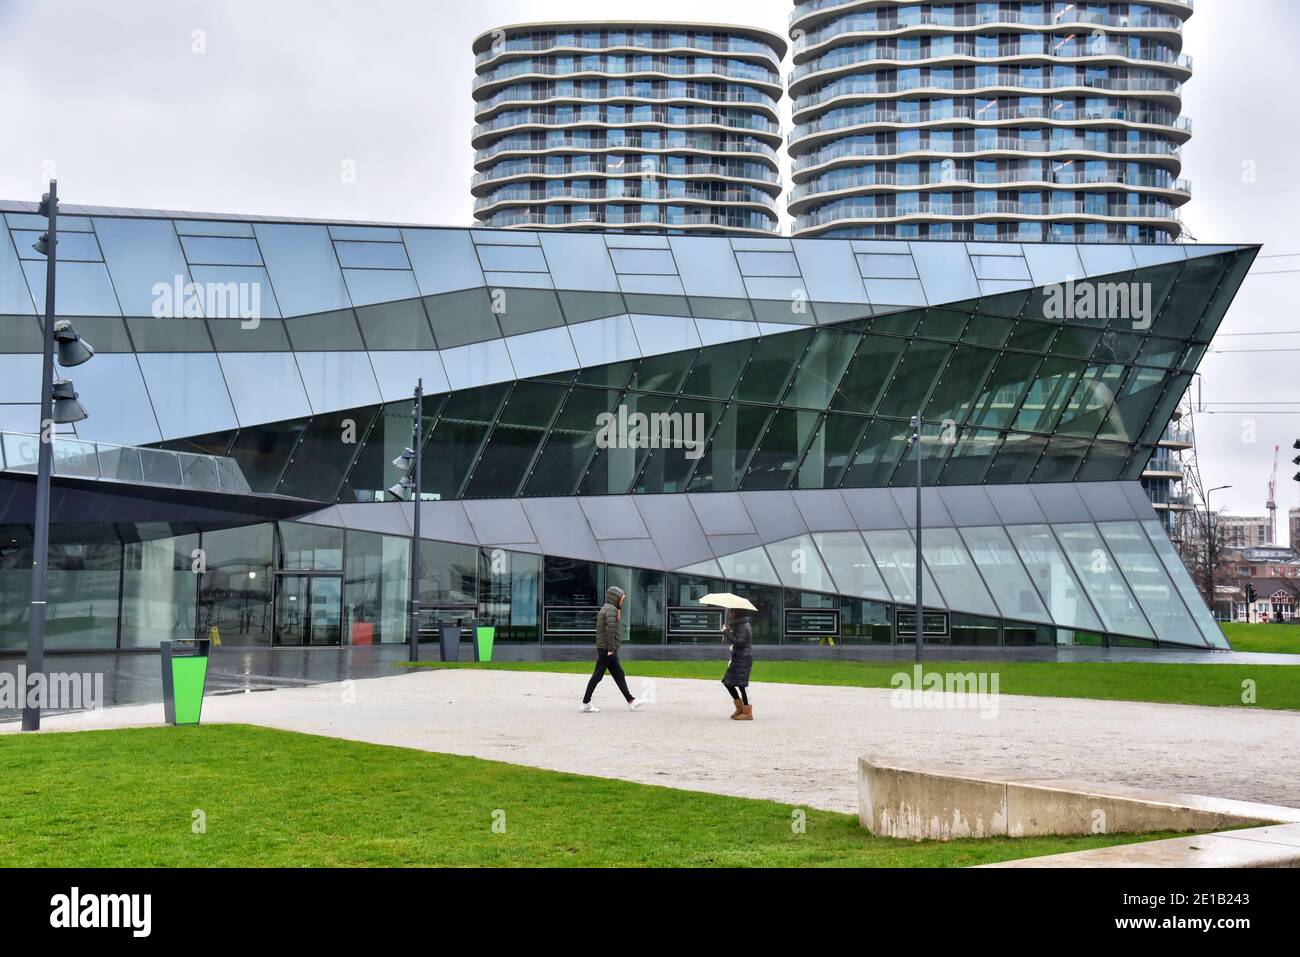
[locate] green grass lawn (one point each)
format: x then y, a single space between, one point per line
1275 686
1272 639
274 798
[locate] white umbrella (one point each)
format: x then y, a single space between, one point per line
727 600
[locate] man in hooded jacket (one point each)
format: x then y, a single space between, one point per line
608 624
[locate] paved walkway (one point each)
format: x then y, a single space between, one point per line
801 748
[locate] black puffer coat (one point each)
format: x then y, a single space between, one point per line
741 636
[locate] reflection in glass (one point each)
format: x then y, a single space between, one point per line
1097 570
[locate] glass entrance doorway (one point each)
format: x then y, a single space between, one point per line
309 610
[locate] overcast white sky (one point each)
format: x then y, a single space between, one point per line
126 113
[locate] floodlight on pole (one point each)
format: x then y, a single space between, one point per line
73 350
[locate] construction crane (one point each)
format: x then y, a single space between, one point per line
1272 499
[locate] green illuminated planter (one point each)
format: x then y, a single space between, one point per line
184 675
484 635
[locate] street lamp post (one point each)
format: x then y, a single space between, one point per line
412 481
920 613
59 406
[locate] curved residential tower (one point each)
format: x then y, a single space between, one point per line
640 126
1010 120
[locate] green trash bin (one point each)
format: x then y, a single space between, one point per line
184 676
484 635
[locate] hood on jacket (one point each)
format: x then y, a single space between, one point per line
613 594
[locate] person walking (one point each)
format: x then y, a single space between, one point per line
608 624
739 632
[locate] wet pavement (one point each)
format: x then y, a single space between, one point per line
136 677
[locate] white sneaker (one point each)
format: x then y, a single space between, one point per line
589 708
634 704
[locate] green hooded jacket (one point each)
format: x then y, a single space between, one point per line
607 620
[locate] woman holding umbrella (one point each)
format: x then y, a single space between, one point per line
740 634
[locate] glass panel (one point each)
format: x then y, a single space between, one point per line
503 464
766 622
526 310
1006 387
325 454
723 465
1051 574
1048 395
1016 459
377 582
952 567
717 370
799 565
643 609
770 368
830 451
571 442
973 630
1136 400
751 565
970 458
310 547
1006 578
1152 587
460 318
235 591
454 444
882 446
395 325
1096 568
662 373
679 447
1092 399
773 463
684 591
144 258
509 589
84 288
82 595
959 385
820 369
303 267
1182 580
616 466
914 378
374 472
895 556
850 564
263 452
159 591
448 574
868 374
865 622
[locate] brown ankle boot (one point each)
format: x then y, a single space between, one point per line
747 713
739 710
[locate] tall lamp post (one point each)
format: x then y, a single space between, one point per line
409 462
920 614
59 406
1210 550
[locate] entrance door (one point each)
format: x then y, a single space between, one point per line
309 610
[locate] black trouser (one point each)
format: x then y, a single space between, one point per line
742 697
604 661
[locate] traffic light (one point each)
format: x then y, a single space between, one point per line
1250 593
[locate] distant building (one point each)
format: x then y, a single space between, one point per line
1293 522
1274 573
1244 531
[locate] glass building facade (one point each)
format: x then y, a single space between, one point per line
628 126
673 414
1020 120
